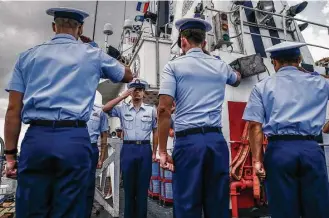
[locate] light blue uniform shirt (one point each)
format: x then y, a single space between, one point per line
136 125
197 83
172 124
59 78
97 123
290 102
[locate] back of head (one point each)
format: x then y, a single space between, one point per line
285 54
192 33
194 36
68 20
66 23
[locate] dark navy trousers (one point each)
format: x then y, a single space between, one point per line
296 179
201 177
136 166
92 181
53 172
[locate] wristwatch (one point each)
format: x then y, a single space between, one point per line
11 152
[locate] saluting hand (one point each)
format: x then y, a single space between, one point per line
128 92
260 171
85 39
166 162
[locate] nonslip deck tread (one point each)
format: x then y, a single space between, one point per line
7 210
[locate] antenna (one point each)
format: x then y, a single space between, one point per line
95 20
107 30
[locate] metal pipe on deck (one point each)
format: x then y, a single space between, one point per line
243 184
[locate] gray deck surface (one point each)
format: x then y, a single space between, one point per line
155 210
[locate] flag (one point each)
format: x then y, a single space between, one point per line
142 6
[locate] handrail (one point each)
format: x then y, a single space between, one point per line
286 17
284 29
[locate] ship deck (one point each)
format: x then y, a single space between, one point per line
155 210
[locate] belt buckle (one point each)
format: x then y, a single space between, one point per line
138 142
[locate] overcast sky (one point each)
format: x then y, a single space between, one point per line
25 24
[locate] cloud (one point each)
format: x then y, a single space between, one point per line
23 29
316 35
25 24
3 107
325 9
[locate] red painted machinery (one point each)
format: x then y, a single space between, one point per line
246 191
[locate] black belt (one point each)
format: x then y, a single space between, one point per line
94 144
143 142
58 123
290 137
197 131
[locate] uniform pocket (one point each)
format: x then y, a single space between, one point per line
93 125
128 121
146 123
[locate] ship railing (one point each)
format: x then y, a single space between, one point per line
286 30
112 205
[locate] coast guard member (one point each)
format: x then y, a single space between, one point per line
138 120
52 88
290 109
197 83
118 130
97 125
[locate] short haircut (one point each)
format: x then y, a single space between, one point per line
288 60
194 36
66 23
